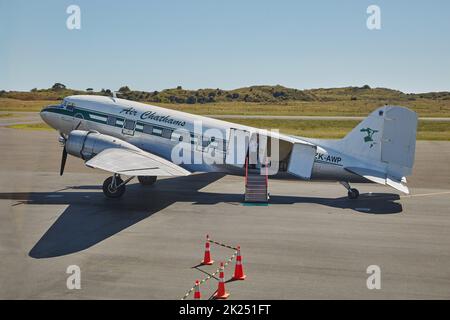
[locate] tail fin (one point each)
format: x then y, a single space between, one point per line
387 135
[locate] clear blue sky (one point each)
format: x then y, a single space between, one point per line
151 45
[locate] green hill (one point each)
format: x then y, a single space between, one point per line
262 100
255 94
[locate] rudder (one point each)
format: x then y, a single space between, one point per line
387 135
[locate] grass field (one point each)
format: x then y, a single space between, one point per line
424 107
267 101
7 104
325 129
31 126
336 129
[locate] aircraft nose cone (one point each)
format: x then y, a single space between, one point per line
44 115
49 117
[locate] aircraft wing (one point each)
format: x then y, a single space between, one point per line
135 163
381 178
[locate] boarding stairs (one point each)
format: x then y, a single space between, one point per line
256 183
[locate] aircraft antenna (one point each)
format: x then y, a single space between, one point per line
114 95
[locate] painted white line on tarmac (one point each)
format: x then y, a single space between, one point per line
426 194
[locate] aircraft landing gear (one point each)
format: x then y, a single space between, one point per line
114 187
147 180
352 192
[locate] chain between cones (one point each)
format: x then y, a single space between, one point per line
189 292
222 244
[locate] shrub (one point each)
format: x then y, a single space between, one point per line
278 94
58 86
191 100
124 89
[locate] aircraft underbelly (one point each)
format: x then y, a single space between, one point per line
329 172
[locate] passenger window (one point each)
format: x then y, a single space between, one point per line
205 142
129 124
157 131
166 133
148 129
112 121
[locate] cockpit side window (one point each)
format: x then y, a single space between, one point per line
69 106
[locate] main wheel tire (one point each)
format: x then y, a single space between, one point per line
147 180
109 192
353 194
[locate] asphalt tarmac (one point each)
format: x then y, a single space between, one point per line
310 242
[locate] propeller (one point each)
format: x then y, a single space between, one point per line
78 125
63 140
63 161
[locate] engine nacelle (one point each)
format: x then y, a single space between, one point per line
87 144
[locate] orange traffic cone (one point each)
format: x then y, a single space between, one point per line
239 269
197 294
221 292
207 258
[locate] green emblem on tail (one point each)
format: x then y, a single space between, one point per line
369 137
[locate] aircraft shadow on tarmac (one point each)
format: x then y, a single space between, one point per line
91 218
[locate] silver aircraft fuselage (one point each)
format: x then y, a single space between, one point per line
150 128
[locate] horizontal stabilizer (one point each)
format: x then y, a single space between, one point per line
135 163
380 178
397 185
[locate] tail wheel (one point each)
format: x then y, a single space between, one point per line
147 180
111 190
353 194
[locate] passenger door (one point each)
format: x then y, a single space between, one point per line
237 147
302 160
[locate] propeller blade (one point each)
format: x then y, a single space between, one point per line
62 136
63 161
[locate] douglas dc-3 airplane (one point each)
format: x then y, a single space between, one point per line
133 139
